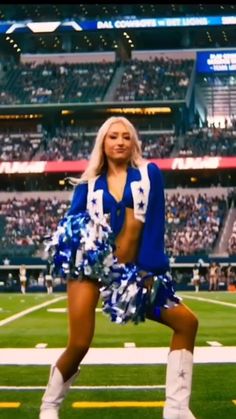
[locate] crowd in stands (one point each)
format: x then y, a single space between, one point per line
76 142
158 145
72 143
66 144
24 223
56 83
193 223
156 79
208 141
7 98
20 146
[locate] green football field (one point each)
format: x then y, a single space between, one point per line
125 389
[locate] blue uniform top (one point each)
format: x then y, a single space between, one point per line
151 254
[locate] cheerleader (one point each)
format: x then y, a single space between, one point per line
111 244
196 278
23 278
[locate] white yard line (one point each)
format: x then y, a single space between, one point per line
208 300
29 310
64 310
115 356
125 387
213 343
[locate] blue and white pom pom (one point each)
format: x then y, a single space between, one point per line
124 298
127 299
82 246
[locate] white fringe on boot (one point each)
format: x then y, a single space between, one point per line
178 385
54 394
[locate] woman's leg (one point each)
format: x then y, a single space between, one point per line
182 321
184 324
82 300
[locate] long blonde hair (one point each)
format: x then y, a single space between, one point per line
97 160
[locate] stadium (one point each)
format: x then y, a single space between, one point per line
171 70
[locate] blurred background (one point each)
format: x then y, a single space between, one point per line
170 69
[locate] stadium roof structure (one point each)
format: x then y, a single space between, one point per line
40 11
100 27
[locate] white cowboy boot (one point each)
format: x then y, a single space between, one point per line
55 394
178 385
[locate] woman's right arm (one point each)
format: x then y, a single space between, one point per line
79 199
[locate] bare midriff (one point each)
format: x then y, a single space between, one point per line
127 241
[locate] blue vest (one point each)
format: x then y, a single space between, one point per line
144 192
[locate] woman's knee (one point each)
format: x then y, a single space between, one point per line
189 323
193 321
180 319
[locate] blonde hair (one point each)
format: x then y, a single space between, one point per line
97 160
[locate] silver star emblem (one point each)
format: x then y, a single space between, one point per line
182 374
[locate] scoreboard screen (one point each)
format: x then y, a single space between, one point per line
216 61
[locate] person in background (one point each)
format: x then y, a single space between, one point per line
23 278
41 279
111 244
49 279
196 278
230 275
9 279
214 274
